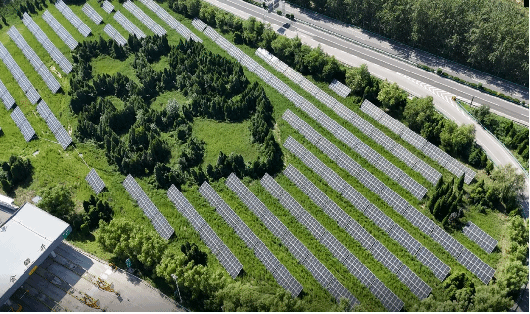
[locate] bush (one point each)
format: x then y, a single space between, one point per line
14 172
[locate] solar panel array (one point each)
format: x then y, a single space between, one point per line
34 59
346 162
170 20
350 225
344 112
339 251
107 6
43 39
128 25
19 75
435 153
6 97
54 125
144 18
297 248
95 182
114 34
157 219
72 18
210 238
339 88
401 206
59 29
23 124
410 213
92 14
477 235
277 269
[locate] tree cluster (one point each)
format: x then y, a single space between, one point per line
489 35
515 137
14 172
446 199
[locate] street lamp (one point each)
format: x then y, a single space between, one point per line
178 290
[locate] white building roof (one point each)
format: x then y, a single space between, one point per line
7 200
25 236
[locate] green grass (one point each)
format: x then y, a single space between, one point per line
225 137
55 166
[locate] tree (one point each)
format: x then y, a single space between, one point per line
511 276
358 78
392 97
194 7
315 60
57 201
418 112
492 298
507 183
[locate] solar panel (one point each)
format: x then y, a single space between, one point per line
414 283
95 181
404 239
446 241
23 124
128 25
338 291
477 235
229 261
318 270
59 29
198 24
339 88
389 300
73 18
107 6
160 223
19 75
92 14
419 220
383 255
114 34
144 18
475 265
286 280
6 97
427 258
54 125
43 39
379 218
372 110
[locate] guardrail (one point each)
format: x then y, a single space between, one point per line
508 150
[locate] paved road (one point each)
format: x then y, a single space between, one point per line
497 105
409 53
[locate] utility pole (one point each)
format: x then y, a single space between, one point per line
178 290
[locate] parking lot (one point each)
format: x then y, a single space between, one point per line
74 281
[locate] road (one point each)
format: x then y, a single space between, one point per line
497 105
420 84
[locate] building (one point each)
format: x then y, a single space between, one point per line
26 240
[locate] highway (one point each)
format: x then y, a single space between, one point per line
497 105
421 84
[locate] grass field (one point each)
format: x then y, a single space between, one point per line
54 166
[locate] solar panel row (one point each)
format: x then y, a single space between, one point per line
128 25
43 39
350 225
59 29
144 18
477 235
107 6
210 238
19 75
92 14
400 205
73 18
419 142
6 97
34 59
277 269
339 88
338 250
114 34
299 250
432 175
170 20
55 126
157 219
95 182
23 124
